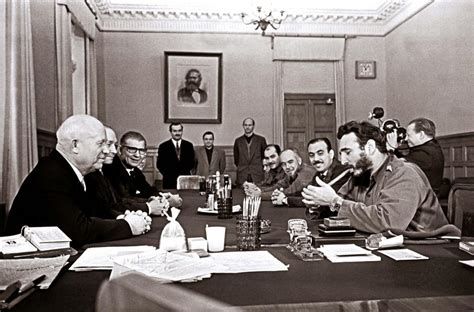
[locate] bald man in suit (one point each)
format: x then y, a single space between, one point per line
54 193
248 154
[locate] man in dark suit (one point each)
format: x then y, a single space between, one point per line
102 190
248 154
192 93
175 157
424 150
209 159
54 193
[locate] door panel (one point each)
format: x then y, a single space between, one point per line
308 116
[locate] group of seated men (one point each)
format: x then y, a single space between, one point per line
88 190
95 194
373 187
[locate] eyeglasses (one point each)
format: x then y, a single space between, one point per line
133 150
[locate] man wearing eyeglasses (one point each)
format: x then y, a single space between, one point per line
127 179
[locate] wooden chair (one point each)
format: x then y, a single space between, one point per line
461 205
188 182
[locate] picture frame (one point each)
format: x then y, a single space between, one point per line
193 87
366 70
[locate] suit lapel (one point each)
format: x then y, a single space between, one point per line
213 165
253 147
202 151
245 152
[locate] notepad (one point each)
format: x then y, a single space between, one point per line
341 253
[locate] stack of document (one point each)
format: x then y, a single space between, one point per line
164 266
100 258
339 253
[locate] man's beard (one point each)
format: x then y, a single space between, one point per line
192 86
362 171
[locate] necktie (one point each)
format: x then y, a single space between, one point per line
178 150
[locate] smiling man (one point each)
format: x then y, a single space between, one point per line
297 176
111 201
328 168
386 193
54 193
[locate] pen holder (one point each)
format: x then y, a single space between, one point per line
224 208
248 233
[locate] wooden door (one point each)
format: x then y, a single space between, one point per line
308 116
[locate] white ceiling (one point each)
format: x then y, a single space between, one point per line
304 17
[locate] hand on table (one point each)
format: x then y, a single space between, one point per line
139 221
158 206
174 200
279 198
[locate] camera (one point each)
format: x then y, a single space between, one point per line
388 125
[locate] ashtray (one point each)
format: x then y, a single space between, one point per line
265 226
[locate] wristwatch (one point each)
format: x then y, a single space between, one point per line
336 203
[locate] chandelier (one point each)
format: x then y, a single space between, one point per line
262 19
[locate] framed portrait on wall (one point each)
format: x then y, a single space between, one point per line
193 87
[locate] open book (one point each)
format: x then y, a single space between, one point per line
33 239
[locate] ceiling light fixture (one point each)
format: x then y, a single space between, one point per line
262 19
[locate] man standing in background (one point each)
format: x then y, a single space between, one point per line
175 157
248 154
209 159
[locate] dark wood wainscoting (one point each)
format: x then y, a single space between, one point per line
46 142
458 152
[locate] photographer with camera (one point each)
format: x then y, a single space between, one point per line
423 149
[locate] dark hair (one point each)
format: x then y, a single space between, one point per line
325 140
253 121
193 70
176 124
425 125
132 135
206 133
364 132
275 146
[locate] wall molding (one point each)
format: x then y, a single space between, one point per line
214 19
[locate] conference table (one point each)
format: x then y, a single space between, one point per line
440 283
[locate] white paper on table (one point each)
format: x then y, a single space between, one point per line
344 250
163 265
468 262
99 258
343 253
245 261
403 254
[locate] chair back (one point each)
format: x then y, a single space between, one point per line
188 182
137 292
461 205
